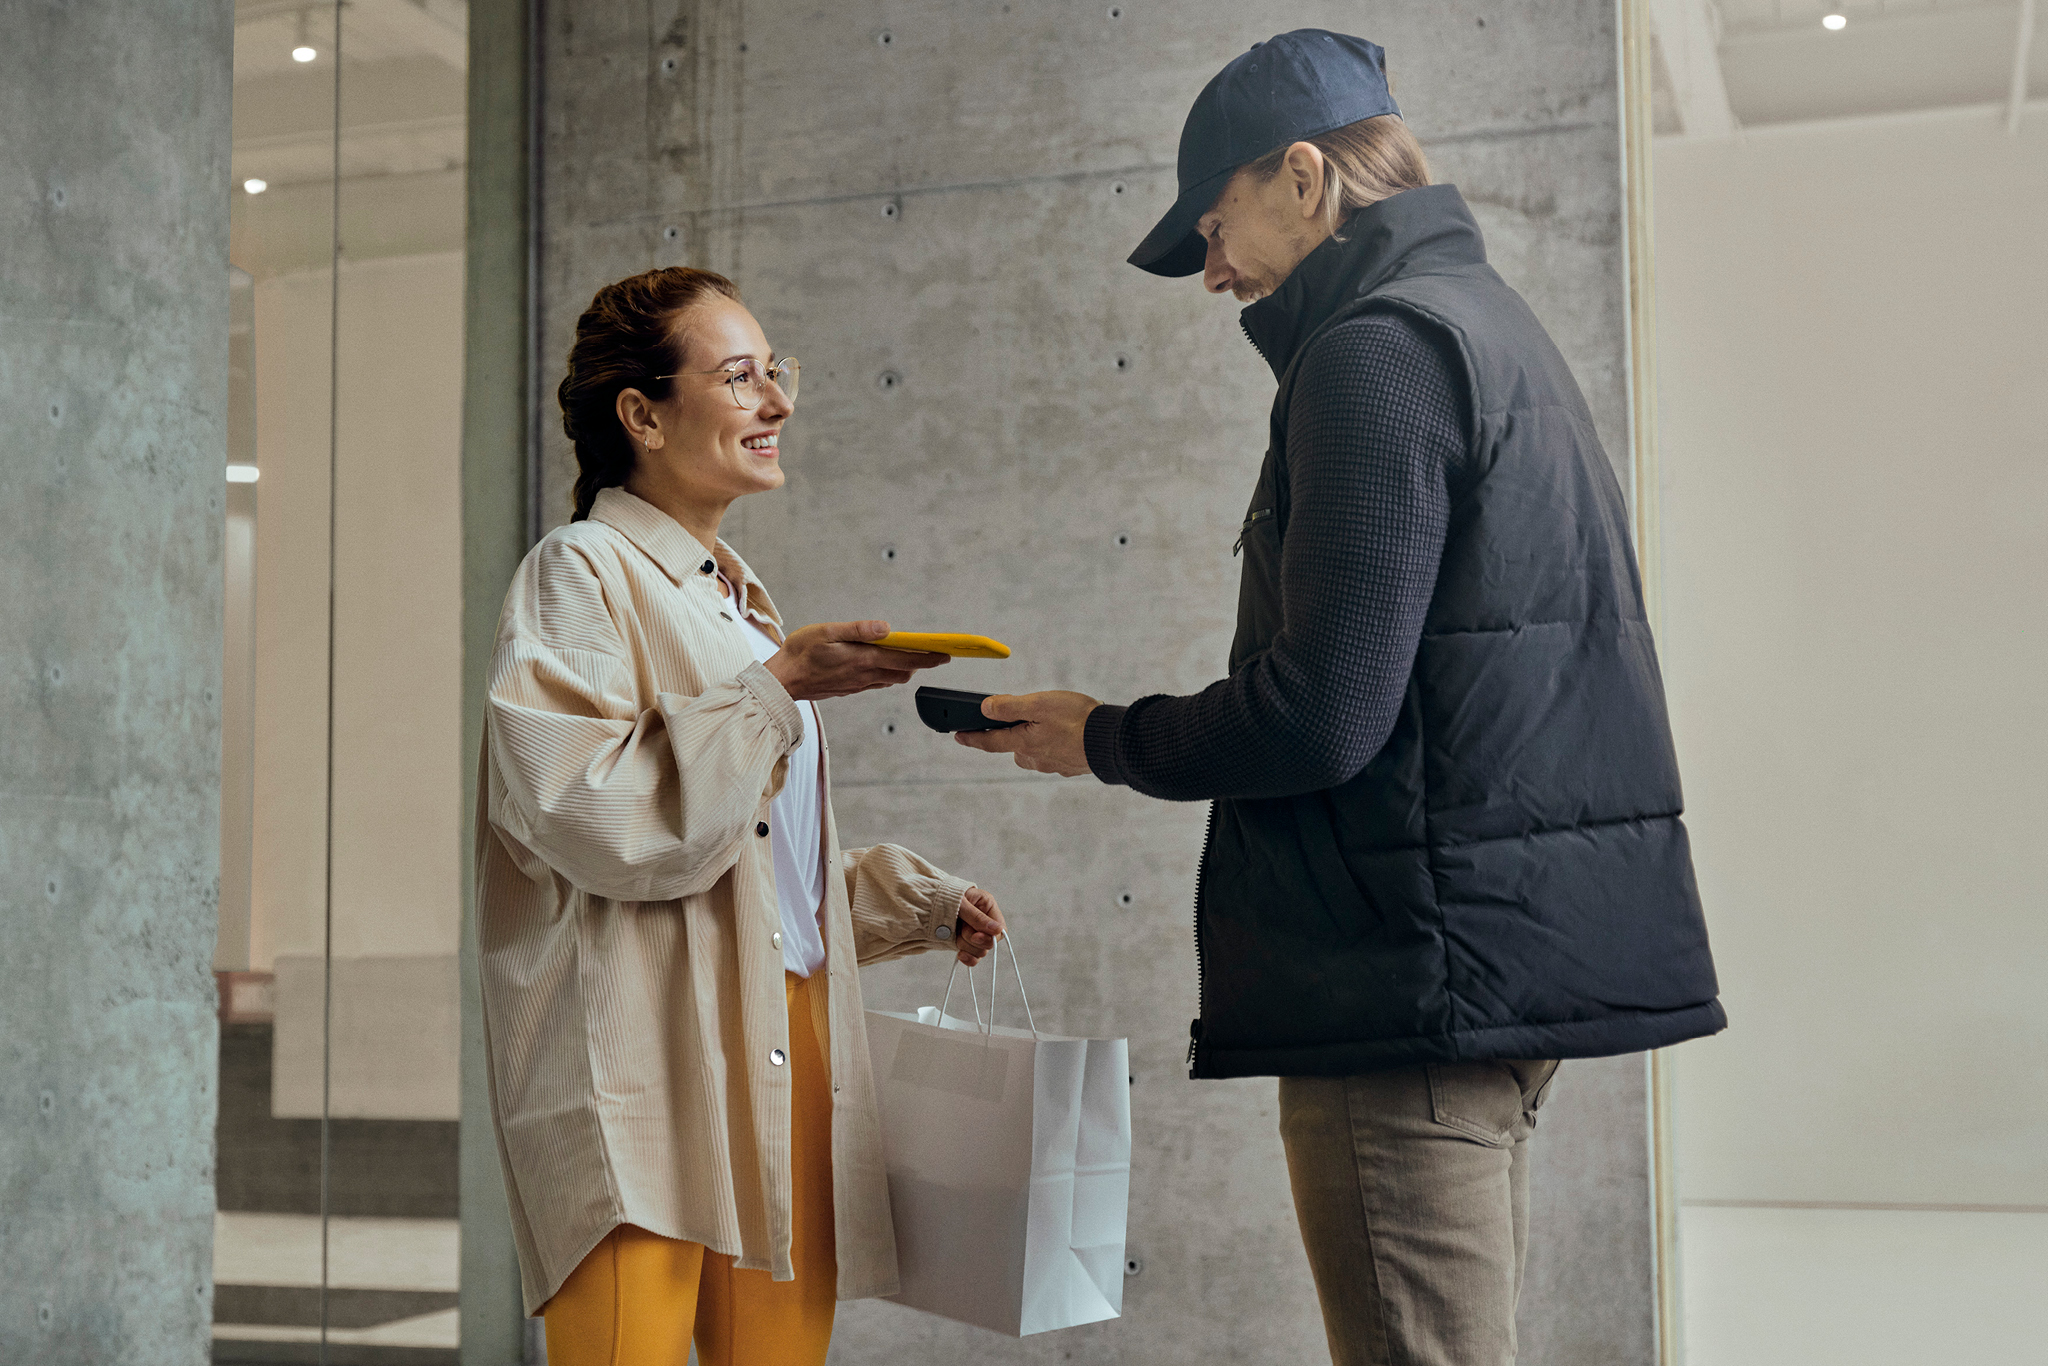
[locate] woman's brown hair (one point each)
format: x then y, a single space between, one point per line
627 336
1363 163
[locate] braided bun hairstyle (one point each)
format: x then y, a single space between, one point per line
624 339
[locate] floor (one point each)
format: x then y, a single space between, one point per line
392 1282
1763 1286
393 1247
1863 1287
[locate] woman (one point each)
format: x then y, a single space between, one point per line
669 932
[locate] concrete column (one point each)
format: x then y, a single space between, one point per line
113 439
1006 429
495 530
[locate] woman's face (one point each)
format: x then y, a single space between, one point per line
707 448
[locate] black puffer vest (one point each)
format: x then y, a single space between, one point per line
1508 877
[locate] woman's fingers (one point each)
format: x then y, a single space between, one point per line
876 656
979 910
851 686
835 659
980 922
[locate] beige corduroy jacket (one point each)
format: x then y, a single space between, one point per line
627 923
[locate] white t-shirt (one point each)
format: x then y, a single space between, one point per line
796 828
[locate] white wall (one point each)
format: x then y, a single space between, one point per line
238 637
237 730
398 605
289 844
397 719
1853 331
399 772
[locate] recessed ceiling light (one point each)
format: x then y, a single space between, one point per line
242 474
305 53
255 186
1834 23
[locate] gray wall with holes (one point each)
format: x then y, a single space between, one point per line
1005 429
113 435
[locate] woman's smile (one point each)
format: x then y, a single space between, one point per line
762 443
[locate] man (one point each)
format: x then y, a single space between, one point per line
1445 849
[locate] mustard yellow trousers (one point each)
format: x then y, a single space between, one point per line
638 1298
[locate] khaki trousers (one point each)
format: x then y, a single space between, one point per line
1412 1191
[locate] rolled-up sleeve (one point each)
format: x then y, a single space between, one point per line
901 904
625 802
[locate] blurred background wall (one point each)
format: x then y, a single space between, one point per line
1853 320
369 373
1006 429
337 1130
398 770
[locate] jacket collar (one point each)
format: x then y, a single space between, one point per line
680 555
1415 232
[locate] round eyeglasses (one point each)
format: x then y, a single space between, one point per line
748 383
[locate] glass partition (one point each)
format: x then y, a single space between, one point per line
336 1235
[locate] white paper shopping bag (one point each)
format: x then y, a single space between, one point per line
1009 1158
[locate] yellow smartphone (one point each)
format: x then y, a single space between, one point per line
945 643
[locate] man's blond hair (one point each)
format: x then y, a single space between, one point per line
1363 163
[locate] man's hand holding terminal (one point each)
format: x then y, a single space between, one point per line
1049 741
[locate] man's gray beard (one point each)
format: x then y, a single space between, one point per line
1250 290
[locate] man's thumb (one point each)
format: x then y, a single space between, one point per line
1003 707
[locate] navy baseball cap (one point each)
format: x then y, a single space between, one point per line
1299 85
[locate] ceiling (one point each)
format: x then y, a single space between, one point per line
1729 64
1720 66
404 137
267 30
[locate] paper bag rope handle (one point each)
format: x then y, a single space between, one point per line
994 976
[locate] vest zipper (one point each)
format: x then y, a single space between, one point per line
1201 972
1253 340
1208 834
1261 515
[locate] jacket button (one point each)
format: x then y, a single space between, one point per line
776 939
777 1056
943 932
710 565
761 828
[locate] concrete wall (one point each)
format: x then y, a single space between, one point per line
113 435
1006 429
1856 472
496 505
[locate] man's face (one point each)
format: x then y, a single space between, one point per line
1259 231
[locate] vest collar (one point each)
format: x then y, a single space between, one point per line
1416 232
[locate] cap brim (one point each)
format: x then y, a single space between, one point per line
1173 248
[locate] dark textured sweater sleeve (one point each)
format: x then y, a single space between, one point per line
1374 429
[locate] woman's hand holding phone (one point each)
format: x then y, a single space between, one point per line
834 659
